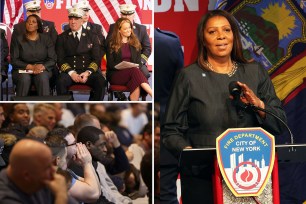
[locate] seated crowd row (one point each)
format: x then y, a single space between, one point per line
39 55
96 165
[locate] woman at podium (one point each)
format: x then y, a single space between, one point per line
200 107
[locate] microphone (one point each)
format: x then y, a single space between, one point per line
235 91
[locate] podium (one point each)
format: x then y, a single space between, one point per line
201 179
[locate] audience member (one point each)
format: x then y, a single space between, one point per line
85 189
128 11
95 141
64 116
78 55
124 135
142 146
115 160
30 176
156 134
71 142
2 118
134 118
38 132
123 45
33 58
44 115
146 173
138 150
33 7
9 142
17 119
2 162
132 182
84 120
97 109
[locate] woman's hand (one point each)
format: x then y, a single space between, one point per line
249 97
38 68
30 67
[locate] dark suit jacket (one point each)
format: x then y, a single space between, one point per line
81 56
4 52
141 32
48 28
168 59
24 52
115 58
96 29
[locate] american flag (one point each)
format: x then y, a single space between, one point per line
13 12
107 12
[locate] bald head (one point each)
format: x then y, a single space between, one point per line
30 165
26 152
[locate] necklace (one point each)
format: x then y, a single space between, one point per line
230 73
30 37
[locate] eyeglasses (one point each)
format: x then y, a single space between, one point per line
71 144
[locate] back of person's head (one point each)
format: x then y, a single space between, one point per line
146 170
147 129
89 133
84 120
139 108
132 179
96 109
58 145
39 132
9 140
63 132
114 111
236 53
30 164
147 135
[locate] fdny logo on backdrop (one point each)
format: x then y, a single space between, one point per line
246 158
49 4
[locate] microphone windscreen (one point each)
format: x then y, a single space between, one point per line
234 88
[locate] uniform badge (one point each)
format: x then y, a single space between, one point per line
46 29
246 158
70 33
88 28
89 45
83 34
49 3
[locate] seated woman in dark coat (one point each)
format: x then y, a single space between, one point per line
33 58
124 46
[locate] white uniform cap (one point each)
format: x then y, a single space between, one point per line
83 4
75 12
127 9
33 5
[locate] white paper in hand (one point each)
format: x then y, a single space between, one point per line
23 71
125 64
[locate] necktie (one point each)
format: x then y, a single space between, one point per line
76 37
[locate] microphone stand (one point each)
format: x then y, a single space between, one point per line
256 108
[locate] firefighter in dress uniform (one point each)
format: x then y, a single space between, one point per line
78 54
